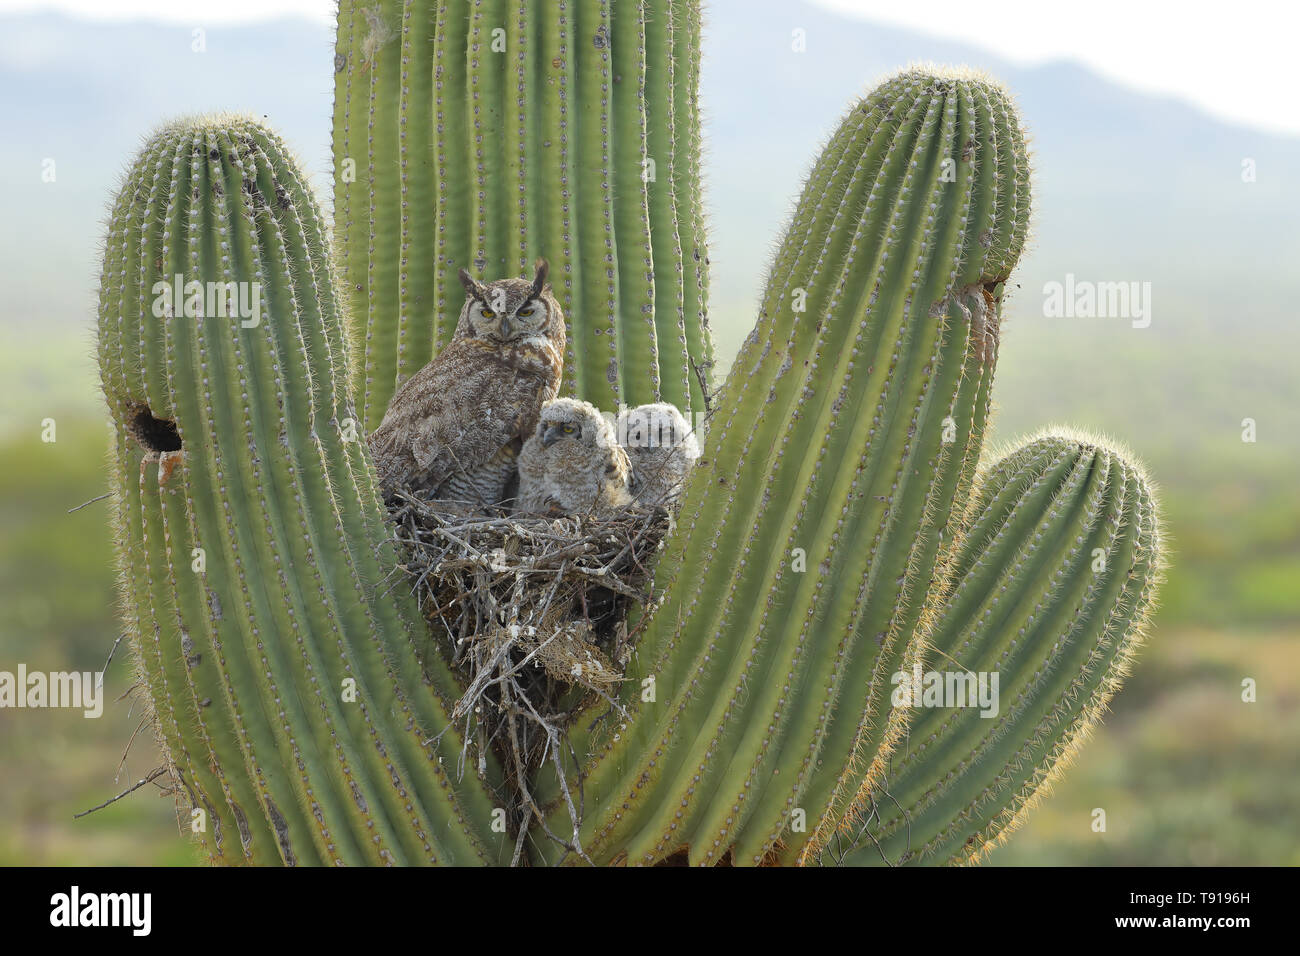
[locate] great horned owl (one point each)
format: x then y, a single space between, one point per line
572 463
455 427
661 447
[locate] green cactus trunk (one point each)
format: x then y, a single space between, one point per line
481 135
810 531
255 560
1052 585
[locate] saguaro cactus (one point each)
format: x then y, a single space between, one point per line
279 661
484 134
827 542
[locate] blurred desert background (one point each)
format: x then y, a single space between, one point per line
1130 186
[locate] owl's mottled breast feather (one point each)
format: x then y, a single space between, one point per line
457 412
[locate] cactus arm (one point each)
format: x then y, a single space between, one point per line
140 355
1055 580
940 370
117 285
996 129
813 516
295 599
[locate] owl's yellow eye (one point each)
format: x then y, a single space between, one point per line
488 313
568 429
526 310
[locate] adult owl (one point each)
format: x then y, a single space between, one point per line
454 428
661 447
572 463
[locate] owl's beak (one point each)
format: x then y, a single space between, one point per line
552 434
504 329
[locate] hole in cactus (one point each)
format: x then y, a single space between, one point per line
153 434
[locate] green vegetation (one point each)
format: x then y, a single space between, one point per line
57 612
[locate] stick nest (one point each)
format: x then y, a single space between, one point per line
533 614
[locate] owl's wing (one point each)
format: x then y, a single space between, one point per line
473 414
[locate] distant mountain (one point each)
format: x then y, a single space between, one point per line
85 93
1128 187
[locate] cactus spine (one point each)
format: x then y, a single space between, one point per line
253 547
485 134
1053 582
828 451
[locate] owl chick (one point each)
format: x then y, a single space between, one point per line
455 427
661 447
573 464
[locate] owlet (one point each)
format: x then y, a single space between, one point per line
572 463
662 448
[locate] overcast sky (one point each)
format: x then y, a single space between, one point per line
1235 60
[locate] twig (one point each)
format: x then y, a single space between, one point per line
90 502
104 670
127 749
153 775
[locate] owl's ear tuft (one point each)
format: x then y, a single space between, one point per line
471 284
539 280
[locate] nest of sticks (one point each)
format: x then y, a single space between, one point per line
532 612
